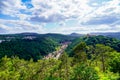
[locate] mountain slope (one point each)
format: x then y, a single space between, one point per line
27 49
109 34
30 45
93 40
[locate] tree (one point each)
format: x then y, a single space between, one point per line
80 53
103 53
114 62
84 72
65 68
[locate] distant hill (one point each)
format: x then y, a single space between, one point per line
76 34
28 48
109 34
93 40
31 45
60 37
57 37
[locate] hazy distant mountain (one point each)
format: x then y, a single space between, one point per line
109 34
28 33
76 34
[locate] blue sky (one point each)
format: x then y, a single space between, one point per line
59 16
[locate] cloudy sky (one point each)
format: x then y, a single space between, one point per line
59 16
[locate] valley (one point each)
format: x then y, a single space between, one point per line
56 54
31 56
59 39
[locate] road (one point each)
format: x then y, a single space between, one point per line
56 54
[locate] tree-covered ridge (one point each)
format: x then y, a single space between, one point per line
90 59
60 37
93 40
103 65
30 45
109 34
56 37
27 49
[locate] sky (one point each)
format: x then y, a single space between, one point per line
59 16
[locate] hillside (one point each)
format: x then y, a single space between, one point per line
109 34
27 49
76 34
103 64
93 40
31 45
86 58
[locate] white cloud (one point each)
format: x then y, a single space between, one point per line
64 8
54 10
11 7
14 26
84 11
92 15
108 9
86 29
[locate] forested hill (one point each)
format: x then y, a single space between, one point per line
56 37
93 40
86 57
30 45
109 34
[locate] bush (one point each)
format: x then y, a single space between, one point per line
83 72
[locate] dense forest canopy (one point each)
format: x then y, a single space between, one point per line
31 45
86 58
59 39
93 40
103 65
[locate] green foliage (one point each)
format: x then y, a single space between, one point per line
93 40
89 61
81 47
107 75
65 70
84 72
102 53
112 42
27 49
30 45
80 53
16 69
114 62
69 49
60 38
98 55
52 69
